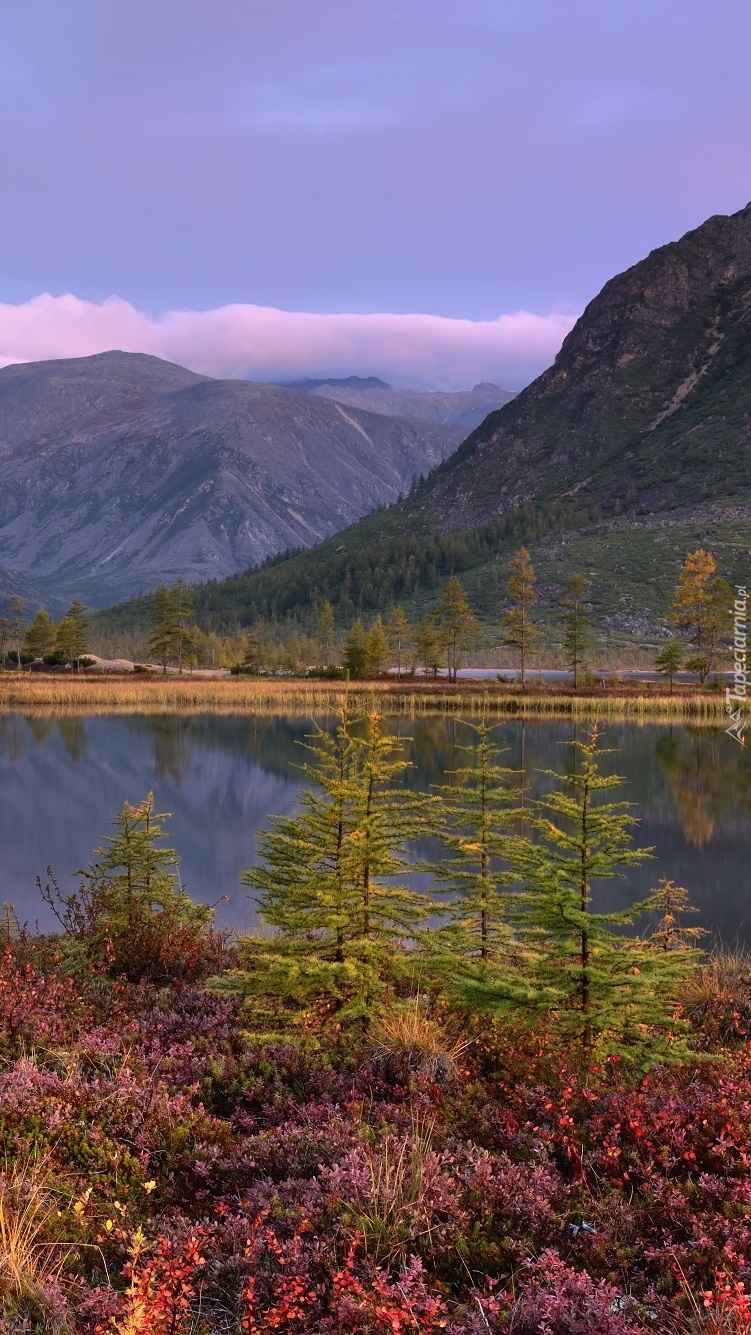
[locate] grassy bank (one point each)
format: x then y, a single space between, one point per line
247 695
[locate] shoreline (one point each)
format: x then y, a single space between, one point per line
117 694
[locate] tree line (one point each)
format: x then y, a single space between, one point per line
56 644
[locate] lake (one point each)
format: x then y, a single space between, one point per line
63 779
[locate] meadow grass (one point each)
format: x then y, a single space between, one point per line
245 695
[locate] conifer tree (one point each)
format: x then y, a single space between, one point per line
131 915
164 634
476 819
325 634
671 902
182 598
355 650
326 879
428 645
76 635
597 984
576 625
456 623
399 632
700 611
377 650
40 636
518 627
668 661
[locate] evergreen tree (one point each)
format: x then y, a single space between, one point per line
477 815
519 630
668 661
39 639
399 632
355 651
163 640
327 879
325 634
597 984
700 611
577 632
377 650
428 645
456 623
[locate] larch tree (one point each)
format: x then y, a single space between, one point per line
327 881
668 661
596 984
131 915
79 625
39 639
427 645
16 621
377 650
183 610
399 632
700 611
355 647
164 632
325 634
577 633
519 631
476 818
457 624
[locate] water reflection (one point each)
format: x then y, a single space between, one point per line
222 776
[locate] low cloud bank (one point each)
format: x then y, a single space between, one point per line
262 343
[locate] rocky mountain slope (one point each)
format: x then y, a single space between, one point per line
121 470
463 408
648 403
643 422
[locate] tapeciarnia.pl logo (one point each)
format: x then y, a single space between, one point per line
735 700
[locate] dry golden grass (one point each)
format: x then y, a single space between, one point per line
408 1039
31 1253
243 695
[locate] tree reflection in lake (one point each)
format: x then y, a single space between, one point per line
223 775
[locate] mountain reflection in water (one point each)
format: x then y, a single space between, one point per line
222 776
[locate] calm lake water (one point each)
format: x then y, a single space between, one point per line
62 779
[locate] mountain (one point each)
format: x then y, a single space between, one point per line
648 404
463 408
634 445
121 470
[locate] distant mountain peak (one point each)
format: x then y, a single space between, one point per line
346 382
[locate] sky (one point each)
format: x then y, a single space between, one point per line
425 190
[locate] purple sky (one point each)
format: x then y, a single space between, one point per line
467 160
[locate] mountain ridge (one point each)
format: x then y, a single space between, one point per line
121 470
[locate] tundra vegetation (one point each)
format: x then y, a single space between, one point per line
487 1105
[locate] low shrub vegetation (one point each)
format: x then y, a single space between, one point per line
328 1128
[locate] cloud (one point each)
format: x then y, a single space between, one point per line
262 343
